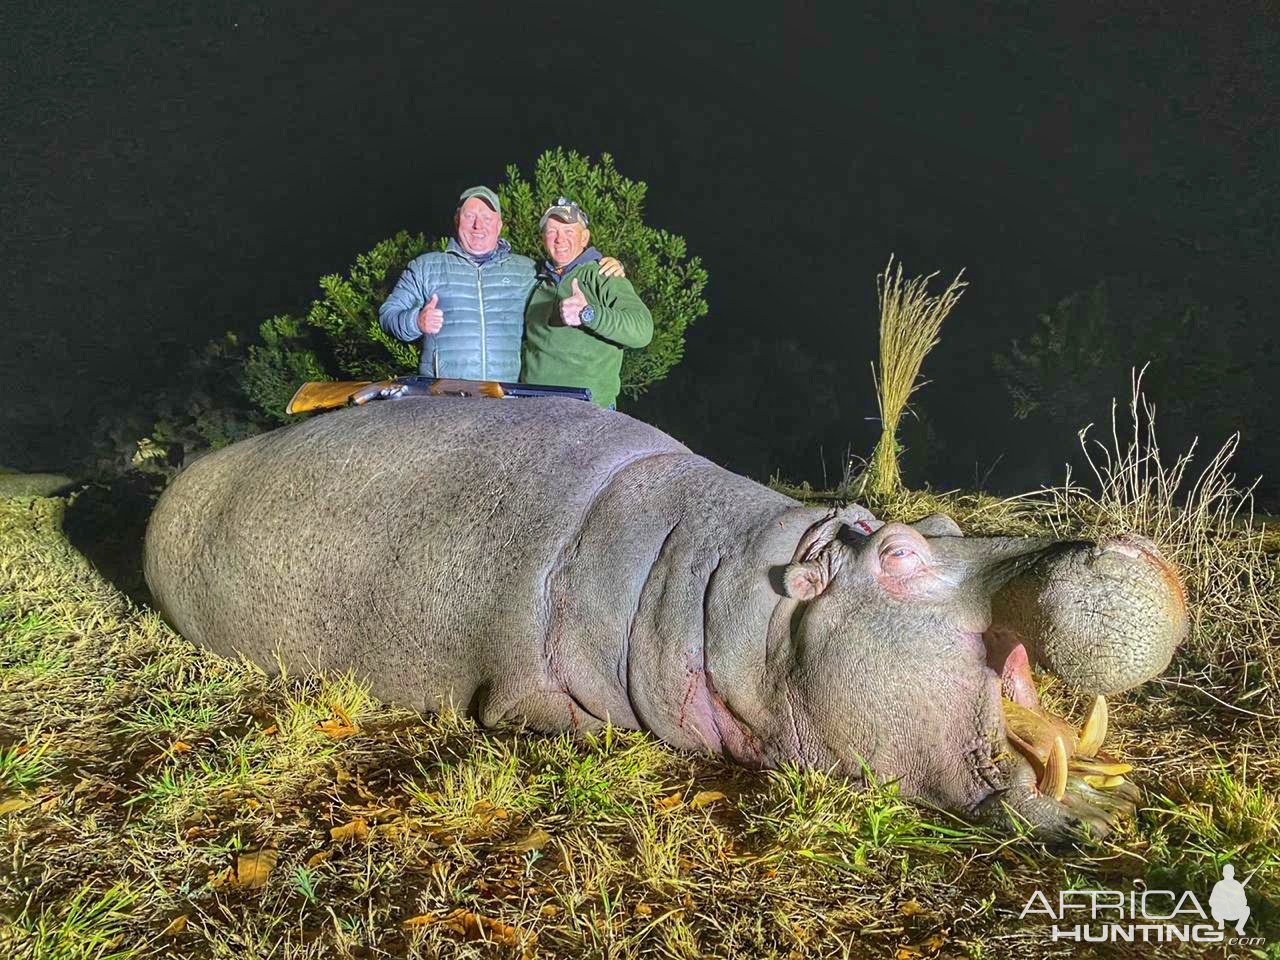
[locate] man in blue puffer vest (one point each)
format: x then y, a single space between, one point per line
467 303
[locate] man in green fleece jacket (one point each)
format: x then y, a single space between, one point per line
577 320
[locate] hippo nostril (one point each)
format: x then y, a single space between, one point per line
1148 551
1124 545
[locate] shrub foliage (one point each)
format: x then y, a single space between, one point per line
657 262
234 389
1201 358
339 338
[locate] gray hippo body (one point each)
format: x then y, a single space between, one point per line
555 564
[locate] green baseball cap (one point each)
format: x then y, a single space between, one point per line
485 194
566 211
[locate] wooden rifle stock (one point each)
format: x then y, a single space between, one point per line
324 395
332 394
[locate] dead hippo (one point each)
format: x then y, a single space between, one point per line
552 563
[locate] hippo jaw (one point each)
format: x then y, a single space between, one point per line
1104 618
925 647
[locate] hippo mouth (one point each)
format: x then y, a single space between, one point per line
1068 762
1103 618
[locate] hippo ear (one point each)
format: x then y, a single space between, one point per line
810 569
817 538
938 525
804 581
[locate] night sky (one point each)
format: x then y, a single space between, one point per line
173 171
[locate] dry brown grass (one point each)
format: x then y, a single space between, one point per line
910 319
161 801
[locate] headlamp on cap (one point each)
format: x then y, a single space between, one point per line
566 210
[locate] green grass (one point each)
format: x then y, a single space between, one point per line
144 776
24 765
90 925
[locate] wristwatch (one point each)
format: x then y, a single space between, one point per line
587 315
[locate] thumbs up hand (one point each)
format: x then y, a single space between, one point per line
431 317
571 306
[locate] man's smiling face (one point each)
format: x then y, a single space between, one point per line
478 227
564 241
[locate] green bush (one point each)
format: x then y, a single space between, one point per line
667 280
232 390
1204 370
202 409
339 338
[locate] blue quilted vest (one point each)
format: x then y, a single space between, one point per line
483 308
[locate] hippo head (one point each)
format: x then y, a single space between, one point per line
911 650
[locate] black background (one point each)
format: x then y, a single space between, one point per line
172 171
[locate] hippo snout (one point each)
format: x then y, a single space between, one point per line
1104 617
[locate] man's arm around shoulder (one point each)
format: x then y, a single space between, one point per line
621 315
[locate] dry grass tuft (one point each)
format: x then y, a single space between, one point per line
909 323
1204 524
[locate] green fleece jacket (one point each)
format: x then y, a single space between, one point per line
585 356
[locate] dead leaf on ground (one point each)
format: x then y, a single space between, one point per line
470 926
400 827
487 812
929 947
176 925
180 746
336 729
339 725
14 804
911 908
535 839
318 858
252 869
667 803
642 910
357 829
379 814
341 714
704 798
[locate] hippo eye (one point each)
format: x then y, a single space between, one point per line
899 559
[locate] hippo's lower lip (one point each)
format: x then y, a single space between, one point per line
1067 763
1069 767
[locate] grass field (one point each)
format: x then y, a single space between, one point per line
157 800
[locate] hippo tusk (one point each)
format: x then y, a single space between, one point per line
1101 781
1099 768
1114 802
1095 729
1053 782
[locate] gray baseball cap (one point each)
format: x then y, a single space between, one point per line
485 194
566 210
